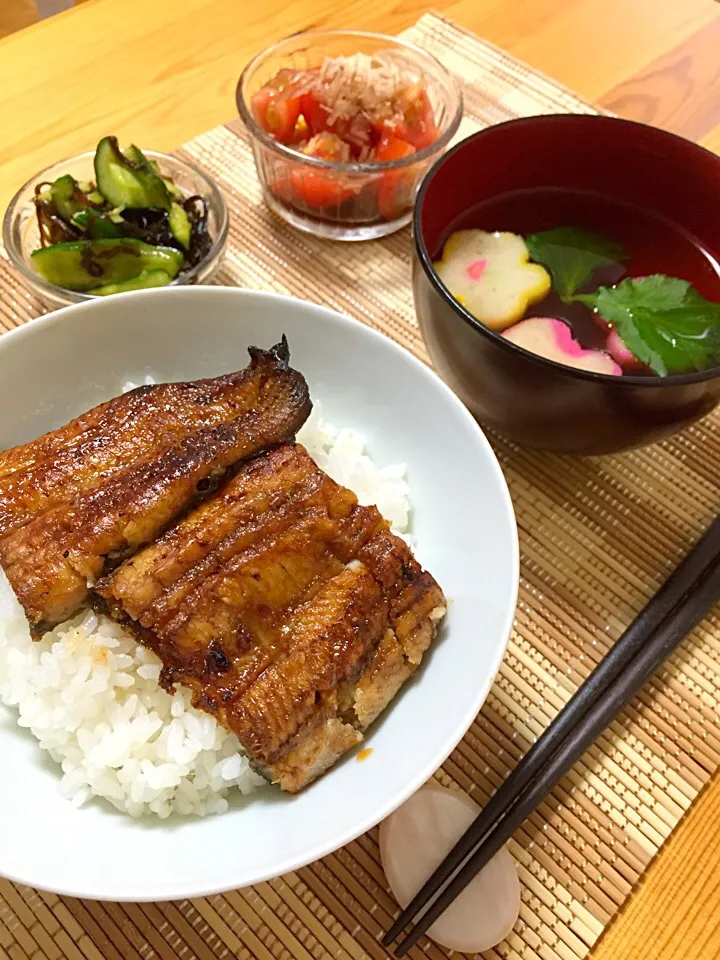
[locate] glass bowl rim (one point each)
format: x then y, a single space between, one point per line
295 156
214 196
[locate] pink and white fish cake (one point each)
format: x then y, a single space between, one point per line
491 276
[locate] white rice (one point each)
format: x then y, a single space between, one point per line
89 693
342 455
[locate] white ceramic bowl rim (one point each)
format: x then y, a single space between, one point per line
264 302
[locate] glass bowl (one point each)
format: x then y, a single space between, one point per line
21 235
358 217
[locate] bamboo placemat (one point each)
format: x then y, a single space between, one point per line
597 537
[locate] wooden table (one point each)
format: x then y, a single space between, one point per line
162 71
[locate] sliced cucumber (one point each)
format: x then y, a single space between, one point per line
96 224
88 264
135 155
180 225
63 193
126 182
146 280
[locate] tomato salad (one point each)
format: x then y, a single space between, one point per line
358 109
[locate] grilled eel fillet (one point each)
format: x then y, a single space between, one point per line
292 613
76 501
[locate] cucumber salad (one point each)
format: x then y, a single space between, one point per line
130 229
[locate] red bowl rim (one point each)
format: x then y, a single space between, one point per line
626 380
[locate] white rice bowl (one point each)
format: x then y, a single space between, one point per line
462 517
89 692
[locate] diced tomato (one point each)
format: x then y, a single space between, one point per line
328 146
279 181
318 188
282 188
393 148
359 133
395 188
292 108
356 131
300 135
417 125
276 113
316 114
276 106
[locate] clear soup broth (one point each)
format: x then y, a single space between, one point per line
651 246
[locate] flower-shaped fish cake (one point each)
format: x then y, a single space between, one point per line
491 276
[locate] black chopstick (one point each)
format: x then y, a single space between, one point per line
674 603
676 626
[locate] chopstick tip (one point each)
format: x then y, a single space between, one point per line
404 945
391 936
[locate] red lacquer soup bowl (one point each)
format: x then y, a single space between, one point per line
535 401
